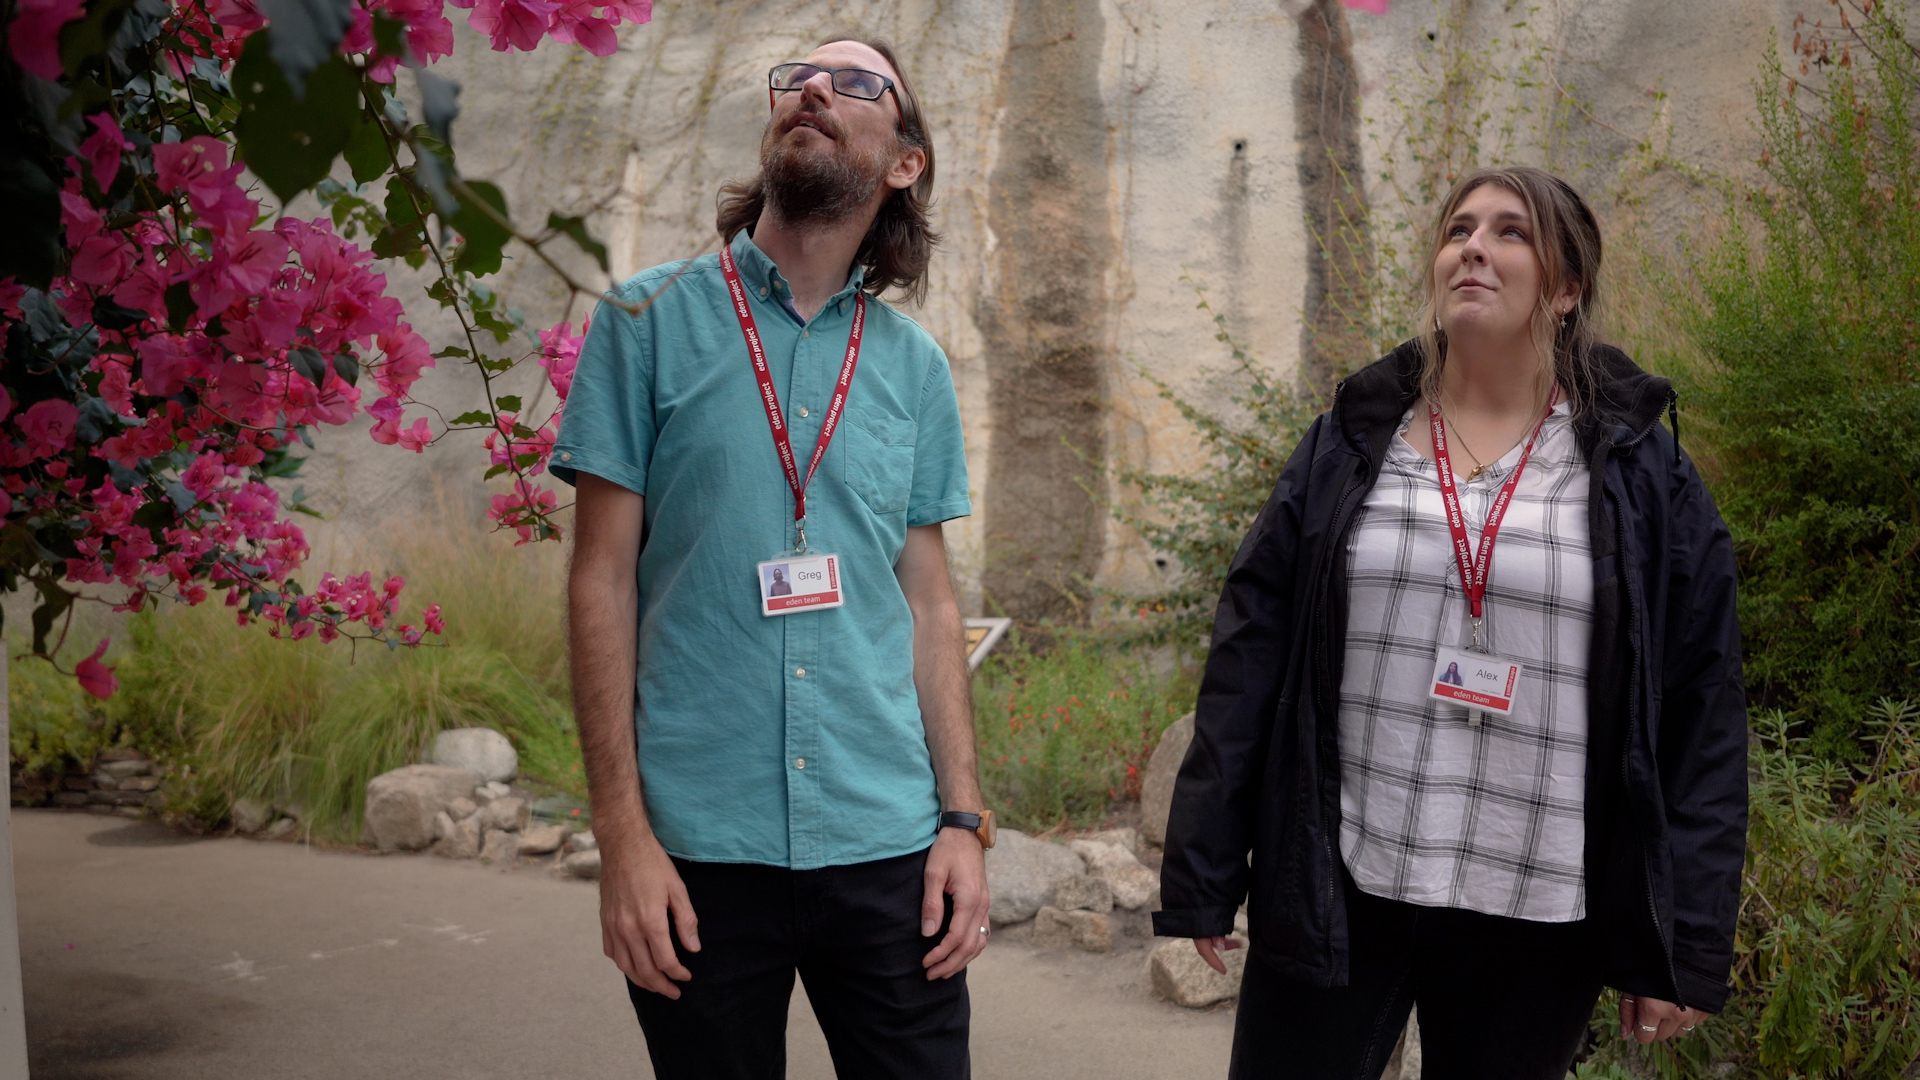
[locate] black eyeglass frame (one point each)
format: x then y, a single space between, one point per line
886 87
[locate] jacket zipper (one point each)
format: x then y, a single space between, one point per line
1324 670
1626 745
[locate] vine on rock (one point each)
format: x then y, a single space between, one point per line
167 344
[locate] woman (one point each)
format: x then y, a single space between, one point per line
1573 817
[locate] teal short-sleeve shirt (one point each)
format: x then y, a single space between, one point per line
793 740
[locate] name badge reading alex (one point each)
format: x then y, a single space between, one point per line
793 583
1477 680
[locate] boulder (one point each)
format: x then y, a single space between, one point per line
1085 930
483 752
1081 892
1021 872
140 783
1121 838
1156 788
120 753
508 814
401 804
500 847
461 808
542 839
69 798
1179 975
1134 886
125 767
281 828
582 864
250 815
583 841
496 790
455 839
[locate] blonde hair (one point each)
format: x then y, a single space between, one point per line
1566 238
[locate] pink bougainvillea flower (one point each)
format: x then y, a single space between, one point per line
95 677
102 149
417 437
48 426
576 23
6 403
1375 7
560 353
512 24
35 33
101 261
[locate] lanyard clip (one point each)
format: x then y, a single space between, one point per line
800 525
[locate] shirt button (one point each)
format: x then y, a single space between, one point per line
567 455
800 673
800 763
763 290
806 333
803 411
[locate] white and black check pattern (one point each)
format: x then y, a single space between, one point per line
1436 811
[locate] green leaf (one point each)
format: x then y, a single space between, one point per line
305 33
89 36
308 362
508 402
347 366
484 237
54 602
367 151
576 227
389 35
476 416
287 141
495 471
451 350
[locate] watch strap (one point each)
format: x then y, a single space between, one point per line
959 819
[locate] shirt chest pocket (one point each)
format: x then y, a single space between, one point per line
879 461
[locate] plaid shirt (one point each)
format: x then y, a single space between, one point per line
1434 811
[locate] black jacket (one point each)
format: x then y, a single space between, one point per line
1666 811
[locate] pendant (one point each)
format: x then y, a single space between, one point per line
1475 474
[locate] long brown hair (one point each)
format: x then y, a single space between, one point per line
900 242
1566 238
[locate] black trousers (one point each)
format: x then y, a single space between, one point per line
852 933
1500 999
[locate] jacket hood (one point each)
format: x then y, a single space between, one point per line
1621 407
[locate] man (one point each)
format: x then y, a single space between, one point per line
772 792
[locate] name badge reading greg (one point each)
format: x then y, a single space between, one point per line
793 583
1477 680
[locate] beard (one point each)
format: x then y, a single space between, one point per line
813 188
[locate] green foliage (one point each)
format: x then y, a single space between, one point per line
1827 956
51 725
1198 519
1066 730
1809 386
300 724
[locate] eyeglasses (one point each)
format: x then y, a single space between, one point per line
850 82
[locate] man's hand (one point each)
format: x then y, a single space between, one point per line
1652 1020
638 887
956 867
1210 949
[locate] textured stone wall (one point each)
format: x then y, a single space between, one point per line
1091 156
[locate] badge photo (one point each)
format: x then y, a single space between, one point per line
793 583
1477 680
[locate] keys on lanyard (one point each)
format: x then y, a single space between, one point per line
776 422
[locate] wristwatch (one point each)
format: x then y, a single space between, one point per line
980 824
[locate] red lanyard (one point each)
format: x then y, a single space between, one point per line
1474 581
776 422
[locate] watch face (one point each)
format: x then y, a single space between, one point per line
986 830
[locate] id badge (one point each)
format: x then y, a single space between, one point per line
1480 681
790 583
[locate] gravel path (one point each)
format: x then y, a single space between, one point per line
150 955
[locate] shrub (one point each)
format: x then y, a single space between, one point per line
1808 386
1065 731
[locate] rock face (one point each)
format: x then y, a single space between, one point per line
401 804
1156 788
1087 930
1134 886
1021 872
1081 892
542 839
483 752
1179 975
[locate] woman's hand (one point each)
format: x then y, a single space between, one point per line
1210 949
1652 1020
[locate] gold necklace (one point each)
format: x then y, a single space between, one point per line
1477 467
